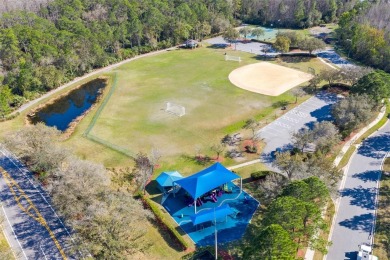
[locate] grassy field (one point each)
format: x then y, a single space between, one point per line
134 117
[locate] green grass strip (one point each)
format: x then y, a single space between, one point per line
370 131
96 117
100 109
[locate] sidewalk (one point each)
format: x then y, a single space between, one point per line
310 253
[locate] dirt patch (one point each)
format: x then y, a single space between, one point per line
267 78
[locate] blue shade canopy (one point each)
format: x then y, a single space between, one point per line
166 179
206 180
211 214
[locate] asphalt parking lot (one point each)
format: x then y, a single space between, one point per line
251 47
278 134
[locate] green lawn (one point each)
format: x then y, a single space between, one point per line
134 118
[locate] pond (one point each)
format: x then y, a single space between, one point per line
61 112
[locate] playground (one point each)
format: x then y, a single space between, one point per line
207 201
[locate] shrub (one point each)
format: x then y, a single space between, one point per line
260 175
251 148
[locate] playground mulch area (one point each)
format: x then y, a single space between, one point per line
229 228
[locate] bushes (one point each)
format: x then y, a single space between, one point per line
260 175
164 224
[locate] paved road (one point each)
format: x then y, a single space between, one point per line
278 134
354 222
35 231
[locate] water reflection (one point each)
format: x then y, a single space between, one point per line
67 108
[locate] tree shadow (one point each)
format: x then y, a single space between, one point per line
362 222
362 197
329 98
368 176
218 46
375 147
351 255
323 113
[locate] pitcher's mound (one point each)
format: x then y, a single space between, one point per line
267 78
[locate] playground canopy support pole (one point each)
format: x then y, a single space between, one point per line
216 240
195 205
240 184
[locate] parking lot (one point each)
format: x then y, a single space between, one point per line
251 47
278 134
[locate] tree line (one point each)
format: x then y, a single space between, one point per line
290 13
67 38
62 39
365 34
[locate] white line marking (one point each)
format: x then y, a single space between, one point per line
13 231
10 157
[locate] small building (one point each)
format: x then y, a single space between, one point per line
191 44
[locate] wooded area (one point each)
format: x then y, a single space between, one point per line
364 32
46 43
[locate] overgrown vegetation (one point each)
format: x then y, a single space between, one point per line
106 221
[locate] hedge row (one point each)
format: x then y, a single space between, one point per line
174 235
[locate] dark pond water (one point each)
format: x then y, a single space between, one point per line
67 108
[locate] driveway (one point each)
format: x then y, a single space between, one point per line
355 220
32 225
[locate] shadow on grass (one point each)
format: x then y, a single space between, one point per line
167 237
198 159
152 188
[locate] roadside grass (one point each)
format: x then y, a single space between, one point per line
5 249
328 218
347 156
382 228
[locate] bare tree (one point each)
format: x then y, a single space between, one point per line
298 92
352 74
142 170
330 75
218 149
325 136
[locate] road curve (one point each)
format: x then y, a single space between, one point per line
354 223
